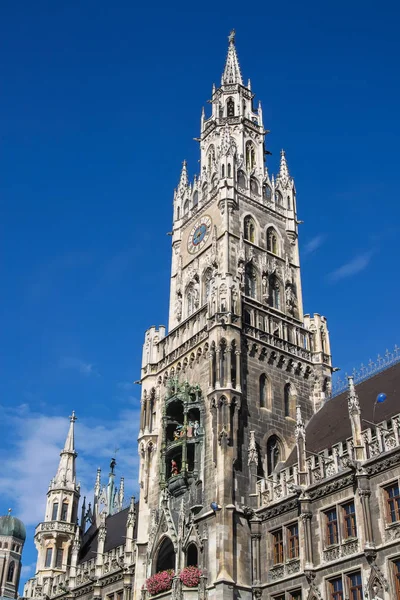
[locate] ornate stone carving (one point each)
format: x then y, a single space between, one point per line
252 450
277 573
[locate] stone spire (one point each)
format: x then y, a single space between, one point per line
283 170
66 474
231 72
184 180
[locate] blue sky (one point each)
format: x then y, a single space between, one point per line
100 104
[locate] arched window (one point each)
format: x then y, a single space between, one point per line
241 179
275 296
289 205
230 107
249 229
192 559
59 558
195 199
289 399
253 185
250 156
250 281
272 240
64 511
229 170
278 198
211 158
244 108
10 572
178 213
54 512
165 556
49 556
223 171
274 453
186 207
265 391
267 193
247 317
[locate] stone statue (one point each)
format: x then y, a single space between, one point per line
174 468
196 427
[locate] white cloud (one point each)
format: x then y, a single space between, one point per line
313 244
69 362
27 571
354 266
36 451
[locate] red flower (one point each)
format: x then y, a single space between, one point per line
160 582
190 576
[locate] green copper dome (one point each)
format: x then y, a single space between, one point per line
10 525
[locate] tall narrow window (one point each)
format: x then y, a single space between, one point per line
230 107
275 298
178 213
192 556
49 556
54 512
186 207
195 199
349 520
273 453
293 540
250 281
64 511
335 589
10 572
278 546
229 170
267 193
355 586
241 179
250 156
396 575
287 392
249 229
254 185
278 198
265 392
272 240
59 558
331 527
207 285
393 502
223 171
211 158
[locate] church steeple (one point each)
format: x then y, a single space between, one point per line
232 72
66 472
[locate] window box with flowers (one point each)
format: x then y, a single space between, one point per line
160 582
190 576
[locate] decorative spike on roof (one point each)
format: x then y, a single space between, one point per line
69 445
231 72
283 170
184 180
300 430
352 398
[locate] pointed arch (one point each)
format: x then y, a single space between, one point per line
251 281
265 391
223 171
178 213
195 200
210 158
207 276
249 229
274 453
10 572
186 207
267 192
64 511
165 556
230 107
229 170
275 292
241 179
289 400
254 185
250 156
278 198
272 240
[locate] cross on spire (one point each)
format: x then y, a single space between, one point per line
232 72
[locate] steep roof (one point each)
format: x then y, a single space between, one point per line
115 535
331 424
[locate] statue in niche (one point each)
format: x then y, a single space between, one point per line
174 468
196 428
291 301
189 430
178 432
178 307
264 286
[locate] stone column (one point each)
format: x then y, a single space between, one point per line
218 369
364 494
229 366
211 359
255 529
306 516
238 371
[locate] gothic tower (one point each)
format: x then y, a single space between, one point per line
54 537
12 539
220 392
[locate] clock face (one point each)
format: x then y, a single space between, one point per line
199 234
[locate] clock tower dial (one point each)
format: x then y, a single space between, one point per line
199 234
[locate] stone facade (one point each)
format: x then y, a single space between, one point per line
236 473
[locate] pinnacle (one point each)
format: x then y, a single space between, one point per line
283 171
184 180
232 72
69 445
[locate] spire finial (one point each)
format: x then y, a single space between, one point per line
283 170
184 180
232 72
73 417
9 511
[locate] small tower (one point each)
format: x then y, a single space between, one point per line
54 537
12 539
